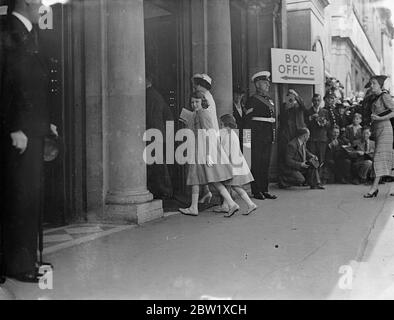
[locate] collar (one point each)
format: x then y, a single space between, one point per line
262 94
238 107
317 108
300 142
26 22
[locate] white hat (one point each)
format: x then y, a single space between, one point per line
203 76
262 75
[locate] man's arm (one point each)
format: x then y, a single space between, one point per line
290 156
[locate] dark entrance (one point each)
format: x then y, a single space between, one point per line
239 43
62 194
166 64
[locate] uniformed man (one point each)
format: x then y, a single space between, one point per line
25 122
260 116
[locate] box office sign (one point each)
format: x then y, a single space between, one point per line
297 67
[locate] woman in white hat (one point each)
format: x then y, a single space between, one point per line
210 165
203 83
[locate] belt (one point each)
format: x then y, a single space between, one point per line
262 119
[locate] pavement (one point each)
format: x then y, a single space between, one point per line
308 244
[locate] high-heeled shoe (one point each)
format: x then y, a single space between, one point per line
372 195
206 198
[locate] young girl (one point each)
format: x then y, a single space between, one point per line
240 169
207 171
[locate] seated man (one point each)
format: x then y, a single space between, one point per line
301 165
353 131
337 158
362 157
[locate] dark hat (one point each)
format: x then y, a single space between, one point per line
229 121
381 80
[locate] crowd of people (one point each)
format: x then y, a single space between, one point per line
352 139
333 140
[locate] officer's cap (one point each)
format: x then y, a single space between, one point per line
262 75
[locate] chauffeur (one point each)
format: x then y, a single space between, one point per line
260 117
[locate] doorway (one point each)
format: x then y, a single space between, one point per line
239 44
61 195
165 64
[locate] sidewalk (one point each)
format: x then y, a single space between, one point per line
373 276
291 248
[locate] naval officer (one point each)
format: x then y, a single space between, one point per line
260 116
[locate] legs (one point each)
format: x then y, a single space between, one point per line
363 169
193 209
265 166
257 167
225 194
294 178
314 178
374 189
261 158
23 194
244 196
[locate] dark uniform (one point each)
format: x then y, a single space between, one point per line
263 136
239 119
23 97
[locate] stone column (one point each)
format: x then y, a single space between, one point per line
127 196
219 54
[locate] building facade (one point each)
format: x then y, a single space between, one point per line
103 49
361 36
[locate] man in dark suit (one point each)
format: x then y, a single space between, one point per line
318 124
260 112
25 121
337 158
157 114
239 111
333 115
301 165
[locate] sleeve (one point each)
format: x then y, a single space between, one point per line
307 114
205 119
301 103
249 108
348 132
388 101
15 109
309 154
290 155
372 148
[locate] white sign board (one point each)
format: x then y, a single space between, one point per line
297 67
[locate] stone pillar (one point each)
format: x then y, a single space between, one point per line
219 54
127 197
